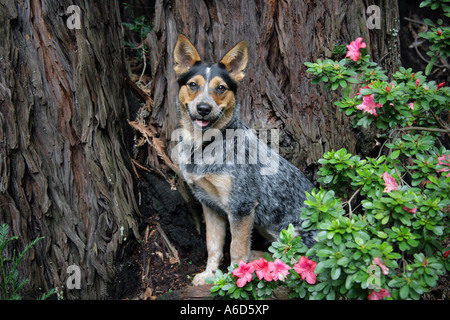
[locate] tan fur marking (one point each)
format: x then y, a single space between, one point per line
225 100
218 186
215 238
185 55
199 80
226 118
215 82
186 96
241 233
235 61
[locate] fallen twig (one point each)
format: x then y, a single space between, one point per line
175 257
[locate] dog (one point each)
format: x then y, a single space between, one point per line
235 176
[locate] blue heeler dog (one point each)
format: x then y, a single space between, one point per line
234 175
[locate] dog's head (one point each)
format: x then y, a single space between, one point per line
207 95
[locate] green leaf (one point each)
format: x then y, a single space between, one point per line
337 239
404 292
429 22
430 65
228 286
430 280
215 288
316 80
403 246
343 261
395 154
349 281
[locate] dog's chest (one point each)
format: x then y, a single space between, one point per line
215 187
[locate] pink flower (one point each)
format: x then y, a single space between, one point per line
446 254
443 160
353 49
440 85
413 211
417 82
280 270
244 272
305 268
374 295
411 105
359 90
369 105
389 183
264 269
377 262
389 88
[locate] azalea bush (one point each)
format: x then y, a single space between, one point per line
438 34
382 222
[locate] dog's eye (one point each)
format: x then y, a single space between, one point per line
193 85
221 89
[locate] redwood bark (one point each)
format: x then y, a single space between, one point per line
63 167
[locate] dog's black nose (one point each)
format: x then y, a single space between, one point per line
204 109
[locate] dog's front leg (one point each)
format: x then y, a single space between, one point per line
215 236
241 233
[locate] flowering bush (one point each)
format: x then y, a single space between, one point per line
382 222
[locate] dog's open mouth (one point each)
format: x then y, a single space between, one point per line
202 123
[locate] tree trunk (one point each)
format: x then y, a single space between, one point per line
63 167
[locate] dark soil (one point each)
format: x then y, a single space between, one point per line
170 250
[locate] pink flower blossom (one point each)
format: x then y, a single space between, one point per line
374 295
411 105
383 267
446 254
359 90
389 183
417 82
369 105
244 272
440 85
353 49
443 160
305 268
264 269
413 211
280 270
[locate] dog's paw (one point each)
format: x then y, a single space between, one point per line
200 278
255 255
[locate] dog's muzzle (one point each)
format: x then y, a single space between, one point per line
203 110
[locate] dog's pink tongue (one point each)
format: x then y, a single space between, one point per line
202 123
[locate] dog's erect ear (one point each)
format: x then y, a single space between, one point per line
185 55
235 61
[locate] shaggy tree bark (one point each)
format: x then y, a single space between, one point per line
62 116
